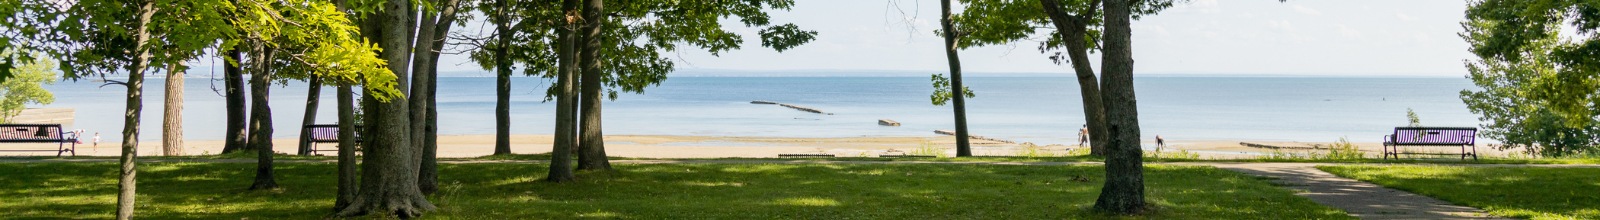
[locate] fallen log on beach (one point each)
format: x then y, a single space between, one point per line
1255 145
974 137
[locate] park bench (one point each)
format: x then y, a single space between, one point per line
66 141
328 133
1431 136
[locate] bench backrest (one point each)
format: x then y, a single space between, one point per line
327 133
1434 135
31 133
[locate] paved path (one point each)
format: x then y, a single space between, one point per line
1359 199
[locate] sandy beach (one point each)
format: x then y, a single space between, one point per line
661 146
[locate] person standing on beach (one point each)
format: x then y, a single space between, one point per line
96 140
1083 135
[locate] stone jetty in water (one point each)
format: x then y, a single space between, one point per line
795 107
974 137
887 122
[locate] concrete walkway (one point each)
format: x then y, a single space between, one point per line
1360 199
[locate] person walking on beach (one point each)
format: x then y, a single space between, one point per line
1160 143
96 140
1083 135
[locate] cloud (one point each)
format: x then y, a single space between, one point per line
1348 32
1404 17
1307 11
1283 25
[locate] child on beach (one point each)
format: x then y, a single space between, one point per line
96 140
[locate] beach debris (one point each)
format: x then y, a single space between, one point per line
887 122
974 137
795 107
1255 145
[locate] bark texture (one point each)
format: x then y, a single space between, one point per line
389 164
1124 187
1075 26
172 112
130 123
347 148
233 87
313 96
958 97
566 99
261 116
431 41
592 144
502 69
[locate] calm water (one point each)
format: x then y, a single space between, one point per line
1036 109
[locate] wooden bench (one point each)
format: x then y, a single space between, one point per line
326 134
66 141
1431 136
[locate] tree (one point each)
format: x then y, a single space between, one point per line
390 165
1073 30
500 16
634 37
261 115
1514 31
951 36
236 134
1540 89
567 102
591 143
26 86
313 95
1124 186
434 29
172 111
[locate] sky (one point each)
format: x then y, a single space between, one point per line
1201 37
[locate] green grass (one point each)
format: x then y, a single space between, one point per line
1519 192
661 191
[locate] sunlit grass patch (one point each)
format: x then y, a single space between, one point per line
661 191
1519 192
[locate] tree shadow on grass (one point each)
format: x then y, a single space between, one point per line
668 191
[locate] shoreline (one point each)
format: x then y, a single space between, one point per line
689 146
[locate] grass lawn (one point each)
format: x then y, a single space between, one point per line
661 191
1519 192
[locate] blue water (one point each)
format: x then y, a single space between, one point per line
1037 109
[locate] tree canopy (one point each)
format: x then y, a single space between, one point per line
1563 71
25 86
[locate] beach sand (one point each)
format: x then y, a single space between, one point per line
665 146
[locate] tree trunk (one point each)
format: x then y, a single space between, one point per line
313 95
261 116
130 120
347 148
418 100
1076 27
592 145
1124 187
428 172
172 112
963 141
233 83
389 173
566 99
502 63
